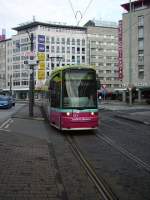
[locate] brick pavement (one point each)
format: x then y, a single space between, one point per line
27 167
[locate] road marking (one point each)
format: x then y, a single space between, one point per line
6 124
4 130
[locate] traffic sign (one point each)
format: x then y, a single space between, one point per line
32 62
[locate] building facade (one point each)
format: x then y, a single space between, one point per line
54 45
136 45
102 51
57 45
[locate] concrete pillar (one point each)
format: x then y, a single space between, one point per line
17 95
139 96
27 98
124 96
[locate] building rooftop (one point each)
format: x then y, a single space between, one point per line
32 24
5 40
136 4
101 23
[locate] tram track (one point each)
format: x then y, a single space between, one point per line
102 187
125 152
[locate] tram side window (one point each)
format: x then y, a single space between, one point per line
55 88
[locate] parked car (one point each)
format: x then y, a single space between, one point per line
5 102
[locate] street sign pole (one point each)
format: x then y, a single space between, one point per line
31 84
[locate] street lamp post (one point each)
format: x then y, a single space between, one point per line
31 84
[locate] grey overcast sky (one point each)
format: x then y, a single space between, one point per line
15 12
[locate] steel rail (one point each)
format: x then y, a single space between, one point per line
125 152
102 187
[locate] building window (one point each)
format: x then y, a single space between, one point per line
83 59
141 67
108 85
57 41
47 48
78 41
101 64
83 50
63 40
83 42
141 59
141 74
108 71
73 41
73 58
68 49
63 49
68 41
52 40
141 20
78 59
108 78
141 32
108 64
52 49
24 83
47 39
78 50
58 49
16 83
73 49
141 44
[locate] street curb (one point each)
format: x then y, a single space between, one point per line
134 120
101 108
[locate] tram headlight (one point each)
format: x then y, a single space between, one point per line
68 113
92 113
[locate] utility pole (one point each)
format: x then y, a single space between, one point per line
31 84
130 54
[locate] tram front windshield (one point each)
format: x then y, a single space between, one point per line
79 89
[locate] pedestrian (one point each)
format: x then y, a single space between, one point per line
100 98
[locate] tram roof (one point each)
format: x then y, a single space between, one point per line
71 67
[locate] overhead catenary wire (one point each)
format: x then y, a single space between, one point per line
90 2
79 12
71 5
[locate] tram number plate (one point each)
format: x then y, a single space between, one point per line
75 115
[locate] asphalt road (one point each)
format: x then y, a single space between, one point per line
39 160
5 114
119 153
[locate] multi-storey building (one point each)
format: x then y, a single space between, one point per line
57 45
136 45
53 45
2 64
103 52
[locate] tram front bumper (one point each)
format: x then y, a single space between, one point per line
80 123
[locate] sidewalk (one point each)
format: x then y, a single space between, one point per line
138 116
136 112
27 168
